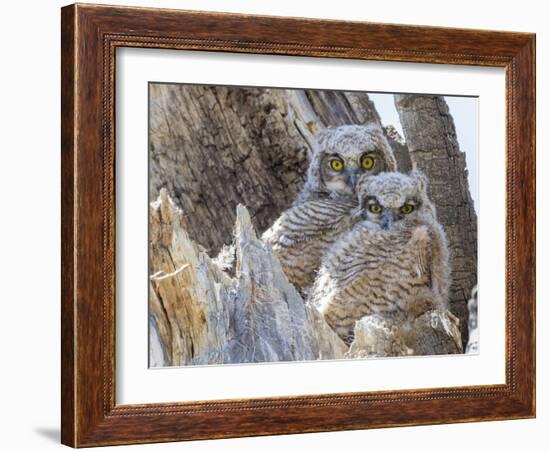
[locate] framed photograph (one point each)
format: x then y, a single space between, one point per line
280 225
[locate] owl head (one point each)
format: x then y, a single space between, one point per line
341 156
393 199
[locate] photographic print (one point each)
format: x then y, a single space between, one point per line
299 225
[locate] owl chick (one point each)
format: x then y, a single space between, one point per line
393 263
301 235
342 155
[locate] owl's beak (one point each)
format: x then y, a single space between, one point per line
386 219
350 177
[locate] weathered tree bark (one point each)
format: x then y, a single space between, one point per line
213 148
399 148
433 332
201 315
433 146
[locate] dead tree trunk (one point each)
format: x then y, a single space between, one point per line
200 315
213 148
431 138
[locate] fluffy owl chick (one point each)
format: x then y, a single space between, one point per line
394 262
341 156
301 235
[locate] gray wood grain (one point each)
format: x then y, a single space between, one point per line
433 146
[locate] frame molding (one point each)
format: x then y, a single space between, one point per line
90 35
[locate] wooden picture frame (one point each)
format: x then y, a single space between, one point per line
90 37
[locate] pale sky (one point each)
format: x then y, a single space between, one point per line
464 111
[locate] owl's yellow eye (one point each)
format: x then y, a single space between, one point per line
336 164
407 208
367 162
375 208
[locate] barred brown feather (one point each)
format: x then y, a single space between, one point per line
302 234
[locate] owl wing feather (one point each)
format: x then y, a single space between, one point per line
302 234
307 221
